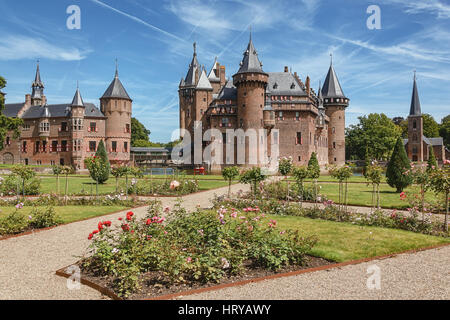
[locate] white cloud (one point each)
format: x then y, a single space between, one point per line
22 47
436 7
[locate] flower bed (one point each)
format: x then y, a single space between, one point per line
134 256
413 221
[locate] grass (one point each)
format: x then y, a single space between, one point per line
85 185
339 241
71 213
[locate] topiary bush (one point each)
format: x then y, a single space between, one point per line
397 166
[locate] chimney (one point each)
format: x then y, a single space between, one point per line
308 86
28 100
286 69
44 100
222 76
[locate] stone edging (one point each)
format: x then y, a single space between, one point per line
112 295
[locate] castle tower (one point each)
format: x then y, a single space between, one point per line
251 83
37 90
203 96
335 103
77 117
415 127
186 93
116 105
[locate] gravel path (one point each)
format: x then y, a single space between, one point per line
28 264
423 275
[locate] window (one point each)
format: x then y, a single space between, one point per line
333 130
275 138
54 146
125 146
242 123
26 162
298 139
114 146
52 162
92 146
8 141
225 122
280 115
44 127
24 146
64 126
37 147
64 146
414 124
299 158
334 145
127 128
93 127
61 161
297 116
26 127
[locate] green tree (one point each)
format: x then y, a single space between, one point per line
300 174
376 132
139 133
24 173
253 177
430 126
103 175
342 174
374 174
7 125
397 166
118 172
432 163
444 130
230 173
314 172
440 183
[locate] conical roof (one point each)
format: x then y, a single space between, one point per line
37 79
77 100
331 87
320 97
203 82
415 109
116 89
213 73
193 67
250 62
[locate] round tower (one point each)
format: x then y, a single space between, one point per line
116 105
251 83
335 103
77 118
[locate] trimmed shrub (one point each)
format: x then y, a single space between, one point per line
397 167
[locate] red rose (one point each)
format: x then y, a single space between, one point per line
100 226
90 236
95 232
149 221
120 219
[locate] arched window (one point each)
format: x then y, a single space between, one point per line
414 124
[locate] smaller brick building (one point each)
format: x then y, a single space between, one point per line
68 133
417 145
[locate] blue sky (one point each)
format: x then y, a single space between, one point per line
152 41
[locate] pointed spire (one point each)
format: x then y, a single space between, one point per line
250 62
320 97
37 79
77 100
331 87
415 109
214 74
193 67
116 89
117 69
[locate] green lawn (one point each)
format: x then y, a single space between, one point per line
71 213
85 185
341 242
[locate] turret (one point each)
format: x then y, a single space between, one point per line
415 127
116 105
37 90
251 82
335 103
77 123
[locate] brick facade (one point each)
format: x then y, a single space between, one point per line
68 133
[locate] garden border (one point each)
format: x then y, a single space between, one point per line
62 273
27 233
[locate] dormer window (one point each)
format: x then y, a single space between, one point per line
292 86
275 86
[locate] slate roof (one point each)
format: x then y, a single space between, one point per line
116 89
228 92
415 101
193 67
439 141
212 74
61 111
203 82
284 83
331 87
250 62
77 100
11 110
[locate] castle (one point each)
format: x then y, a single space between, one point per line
68 133
305 121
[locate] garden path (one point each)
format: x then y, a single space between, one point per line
28 264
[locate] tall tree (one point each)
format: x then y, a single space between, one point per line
376 132
139 133
7 124
444 130
105 165
397 168
430 126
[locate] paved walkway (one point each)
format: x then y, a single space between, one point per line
28 264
